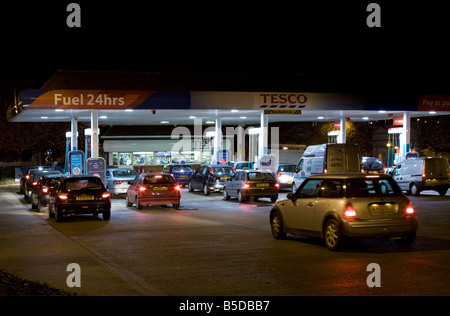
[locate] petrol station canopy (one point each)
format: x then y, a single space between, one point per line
133 98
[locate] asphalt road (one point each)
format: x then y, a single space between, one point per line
212 247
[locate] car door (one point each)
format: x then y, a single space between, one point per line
132 189
398 176
299 211
198 178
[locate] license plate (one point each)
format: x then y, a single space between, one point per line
259 185
85 198
224 178
383 208
160 189
184 176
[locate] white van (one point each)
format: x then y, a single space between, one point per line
327 158
419 174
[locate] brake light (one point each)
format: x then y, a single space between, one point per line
349 210
106 195
409 209
62 196
117 182
158 176
177 187
372 176
246 185
34 182
277 185
142 188
325 170
27 177
44 190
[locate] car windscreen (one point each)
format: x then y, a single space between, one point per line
182 169
83 184
260 176
222 171
158 179
371 187
124 173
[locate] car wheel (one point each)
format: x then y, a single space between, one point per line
51 212
138 205
333 235
176 206
33 205
241 197
206 190
127 201
58 214
225 194
276 224
442 191
273 199
107 214
414 189
190 188
407 240
39 205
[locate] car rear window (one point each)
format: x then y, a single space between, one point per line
182 169
263 176
124 173
368 187
158 179
287 168
83 184
223 171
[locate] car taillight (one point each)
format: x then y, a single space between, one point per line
34 182
277 185
177 187
106 195
44 190
62 196
117 182
409 209
142 188
325 170
246 185
27 177
349 210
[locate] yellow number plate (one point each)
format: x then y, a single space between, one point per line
262 185
160 189
85 198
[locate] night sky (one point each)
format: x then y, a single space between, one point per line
329 38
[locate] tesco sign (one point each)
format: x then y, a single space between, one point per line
282 98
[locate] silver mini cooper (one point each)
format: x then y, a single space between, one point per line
336 206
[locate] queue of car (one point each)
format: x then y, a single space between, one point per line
333 206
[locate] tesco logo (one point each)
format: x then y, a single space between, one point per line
283 98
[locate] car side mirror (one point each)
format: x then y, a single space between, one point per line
296 169
291 196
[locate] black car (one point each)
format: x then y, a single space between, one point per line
41 191
34 176
252 184
372 165
79 195
210 178
26 176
